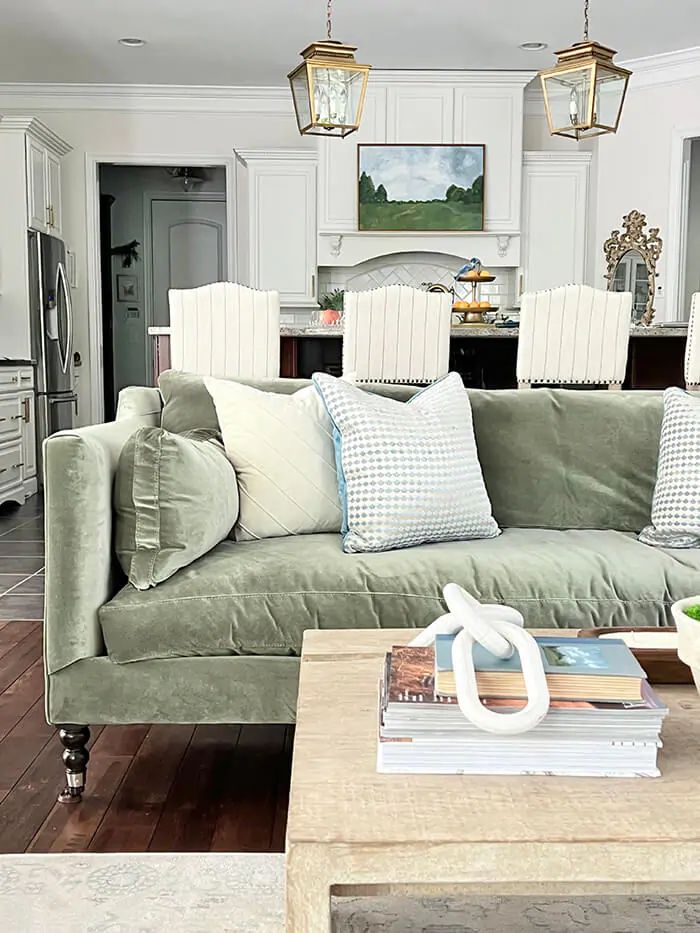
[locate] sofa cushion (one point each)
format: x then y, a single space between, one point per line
175 498
258 597
281 447
408 472
564 458
675 509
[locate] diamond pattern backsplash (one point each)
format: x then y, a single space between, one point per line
414 269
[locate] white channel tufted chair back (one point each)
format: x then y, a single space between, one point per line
397 334
225 330
692 345
574 334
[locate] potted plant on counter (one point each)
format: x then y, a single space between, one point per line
331 307
686 615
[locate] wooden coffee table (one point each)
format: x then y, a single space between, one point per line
351 830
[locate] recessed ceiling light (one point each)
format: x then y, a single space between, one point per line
532 46
132 43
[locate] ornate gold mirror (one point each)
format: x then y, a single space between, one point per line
631 256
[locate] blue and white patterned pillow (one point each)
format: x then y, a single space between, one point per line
675 509
408 472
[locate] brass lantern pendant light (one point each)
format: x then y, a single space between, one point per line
329 87
585 91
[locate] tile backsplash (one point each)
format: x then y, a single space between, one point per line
414 269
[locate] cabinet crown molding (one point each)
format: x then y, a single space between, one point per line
272 155
456 79
554 155
37 129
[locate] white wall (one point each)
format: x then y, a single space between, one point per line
635 169
148 133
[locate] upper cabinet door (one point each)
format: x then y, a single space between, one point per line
553 248
419 114
37 194
337 173
281 252
494 116
53 187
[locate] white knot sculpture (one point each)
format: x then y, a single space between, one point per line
499 629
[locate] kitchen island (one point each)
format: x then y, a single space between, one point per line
484 354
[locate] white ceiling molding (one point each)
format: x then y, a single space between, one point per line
153 98
667 68
166 98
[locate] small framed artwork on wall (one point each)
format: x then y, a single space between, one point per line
420 188
127 288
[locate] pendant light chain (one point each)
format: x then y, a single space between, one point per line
585 20
329 18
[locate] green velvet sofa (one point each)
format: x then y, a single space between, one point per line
570 475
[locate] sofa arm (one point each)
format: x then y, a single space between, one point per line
81 567
139 401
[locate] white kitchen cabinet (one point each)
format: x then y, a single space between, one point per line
37 186
18 461
53 187
419 113
554 217
43 187
337 168
30 157
276 223
432 108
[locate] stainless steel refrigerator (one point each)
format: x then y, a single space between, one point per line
52 335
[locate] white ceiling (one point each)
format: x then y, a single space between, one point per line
231 42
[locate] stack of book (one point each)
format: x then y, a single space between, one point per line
604 718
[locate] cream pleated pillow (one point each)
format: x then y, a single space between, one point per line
281 447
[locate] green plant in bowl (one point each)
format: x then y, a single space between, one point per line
693 612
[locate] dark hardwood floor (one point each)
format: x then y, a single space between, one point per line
158 788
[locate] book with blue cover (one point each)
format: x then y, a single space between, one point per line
575 668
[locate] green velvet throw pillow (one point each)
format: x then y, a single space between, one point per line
175 498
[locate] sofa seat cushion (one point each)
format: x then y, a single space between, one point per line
258 597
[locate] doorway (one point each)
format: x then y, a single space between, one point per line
691 261
161 227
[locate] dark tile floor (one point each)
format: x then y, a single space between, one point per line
22 560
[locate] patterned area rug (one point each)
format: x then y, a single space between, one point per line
243 893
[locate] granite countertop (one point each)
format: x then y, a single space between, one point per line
457 331
475 330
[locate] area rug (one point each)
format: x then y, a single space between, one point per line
243 893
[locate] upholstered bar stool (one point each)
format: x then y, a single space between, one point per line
574 335
692 346
397 334
225 329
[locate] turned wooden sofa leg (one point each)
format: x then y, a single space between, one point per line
75 757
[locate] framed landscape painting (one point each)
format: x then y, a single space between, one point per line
420 188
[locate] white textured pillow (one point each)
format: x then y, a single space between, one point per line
281 447
675 509
408 472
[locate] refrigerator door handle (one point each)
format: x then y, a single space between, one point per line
62 285
64 400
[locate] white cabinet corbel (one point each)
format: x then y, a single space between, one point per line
276 223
